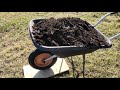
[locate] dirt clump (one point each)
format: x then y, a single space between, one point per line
66 32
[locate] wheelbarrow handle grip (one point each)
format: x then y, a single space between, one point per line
114 13
103 17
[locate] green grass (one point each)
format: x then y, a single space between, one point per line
16 45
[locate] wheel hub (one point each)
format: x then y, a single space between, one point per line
39 60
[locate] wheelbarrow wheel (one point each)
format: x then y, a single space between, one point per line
36 60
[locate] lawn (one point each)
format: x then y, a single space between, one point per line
16 45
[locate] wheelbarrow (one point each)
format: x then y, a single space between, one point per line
45 56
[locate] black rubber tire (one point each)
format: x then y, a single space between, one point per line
35 54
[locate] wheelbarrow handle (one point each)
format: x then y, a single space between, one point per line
103 17
114 37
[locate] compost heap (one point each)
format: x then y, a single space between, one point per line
66 32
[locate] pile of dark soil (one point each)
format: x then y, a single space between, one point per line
66 32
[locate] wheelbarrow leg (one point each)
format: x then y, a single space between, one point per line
83 65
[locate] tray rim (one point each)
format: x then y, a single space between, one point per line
58 47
